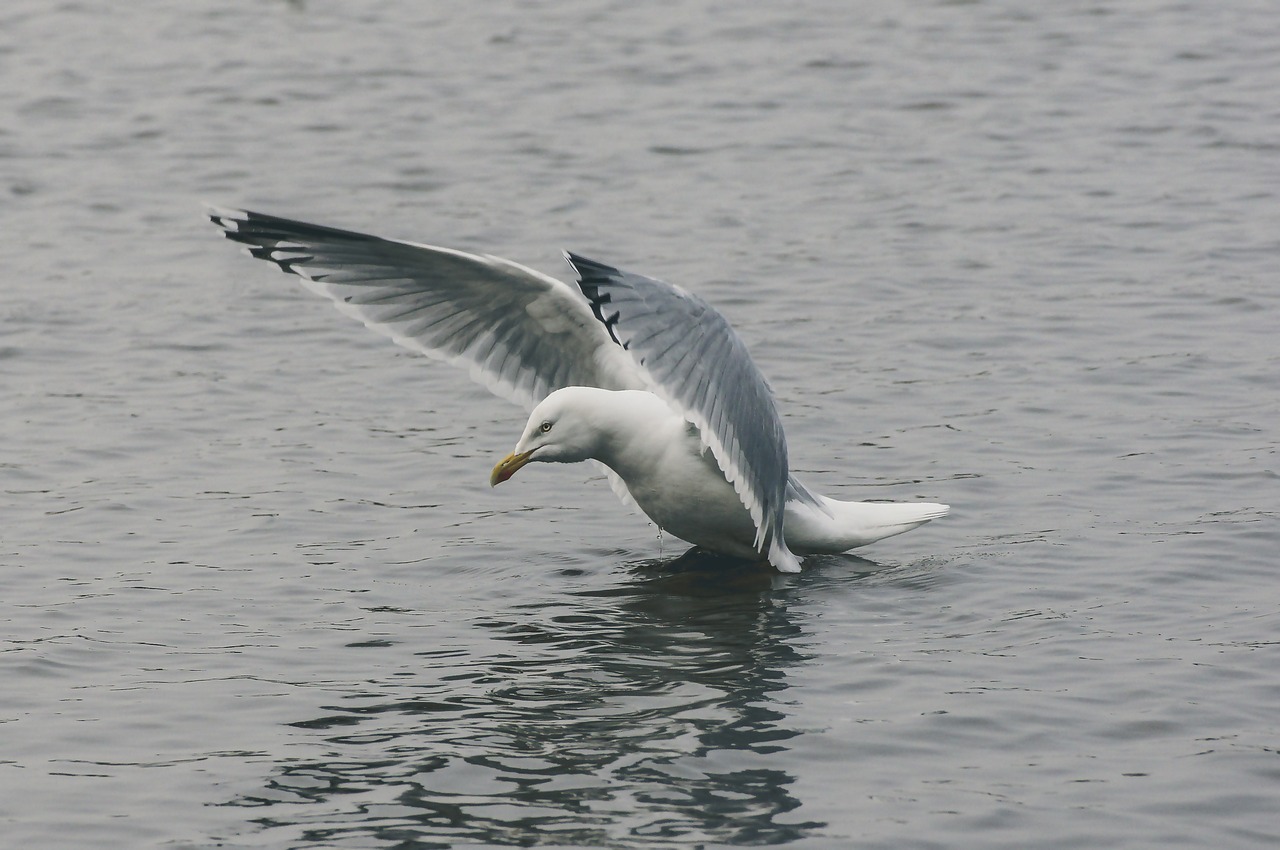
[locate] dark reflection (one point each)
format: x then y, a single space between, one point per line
647 711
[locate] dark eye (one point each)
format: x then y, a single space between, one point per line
546 426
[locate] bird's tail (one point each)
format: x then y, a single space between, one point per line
841 526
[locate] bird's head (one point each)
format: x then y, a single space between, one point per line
560 430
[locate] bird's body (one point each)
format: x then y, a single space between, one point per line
631 372
661 460
668 472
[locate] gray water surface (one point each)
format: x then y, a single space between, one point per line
1021 258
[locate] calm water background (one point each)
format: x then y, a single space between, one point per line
1022 258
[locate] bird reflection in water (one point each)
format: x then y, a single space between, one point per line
652 708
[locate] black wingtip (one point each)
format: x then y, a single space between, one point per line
589 268
227 218
254 227
591 276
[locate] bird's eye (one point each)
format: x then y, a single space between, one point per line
546 426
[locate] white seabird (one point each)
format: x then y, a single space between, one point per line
640 375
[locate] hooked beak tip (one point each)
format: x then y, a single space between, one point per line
508 467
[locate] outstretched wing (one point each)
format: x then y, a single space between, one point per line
521 333
691 357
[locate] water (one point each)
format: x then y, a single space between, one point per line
1021 259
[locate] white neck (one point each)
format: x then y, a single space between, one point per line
637 429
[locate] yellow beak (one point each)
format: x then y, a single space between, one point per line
508 467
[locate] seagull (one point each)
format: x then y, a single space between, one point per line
639 375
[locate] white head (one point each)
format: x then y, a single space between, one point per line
561 429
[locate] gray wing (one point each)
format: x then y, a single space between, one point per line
691 357
522 334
